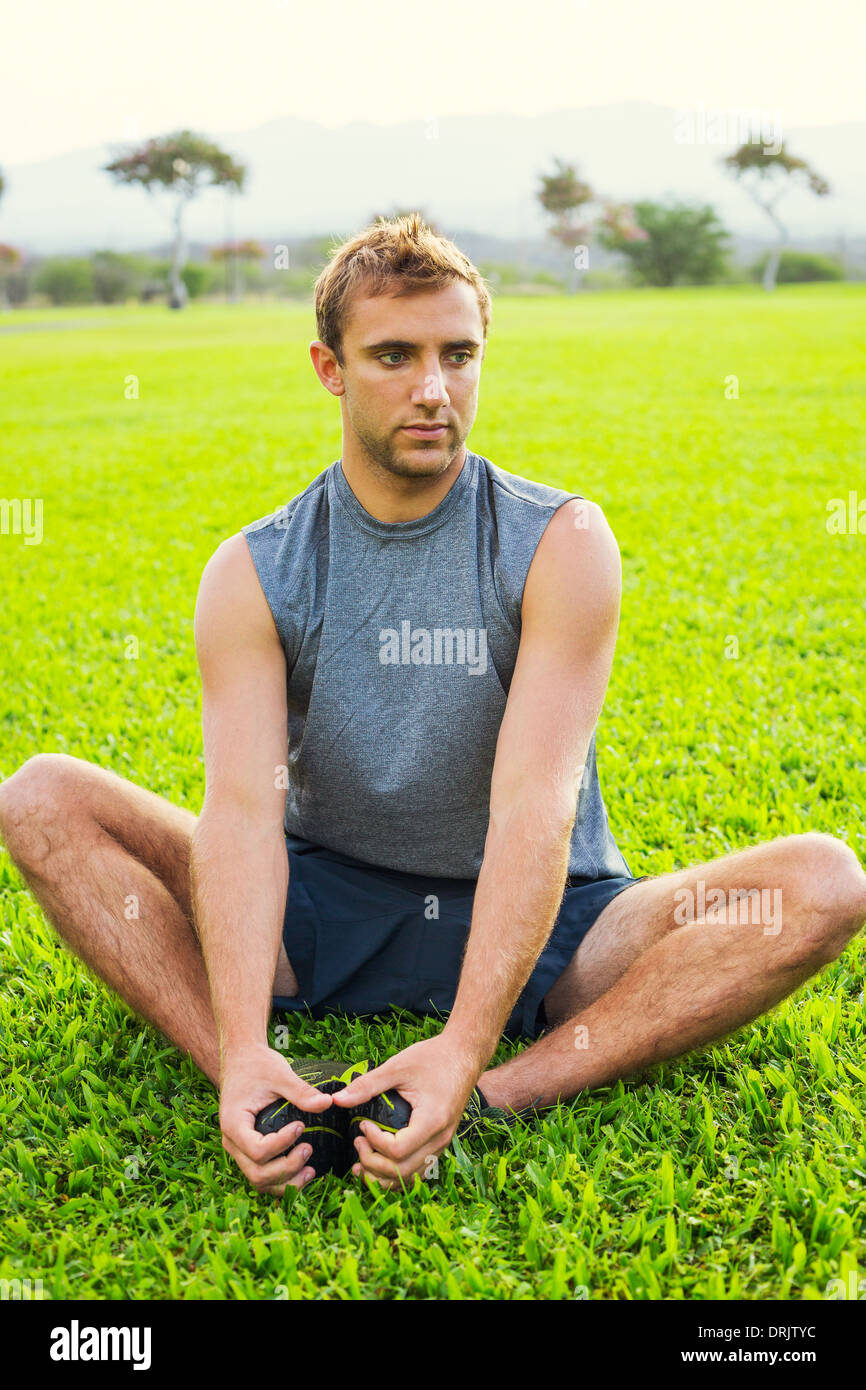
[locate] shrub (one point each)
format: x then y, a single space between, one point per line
65 279
115 277
205 277
668 243
799 267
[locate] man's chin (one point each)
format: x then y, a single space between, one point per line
420 459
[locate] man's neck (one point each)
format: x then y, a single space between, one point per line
391 498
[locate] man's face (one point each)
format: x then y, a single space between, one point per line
411 360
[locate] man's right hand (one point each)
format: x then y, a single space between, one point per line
251 1078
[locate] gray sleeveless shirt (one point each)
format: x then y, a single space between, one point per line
400 641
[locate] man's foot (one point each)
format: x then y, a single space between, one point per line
331 1133
477 1112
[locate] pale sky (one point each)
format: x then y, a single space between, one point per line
94 71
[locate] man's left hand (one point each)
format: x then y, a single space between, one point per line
436 1077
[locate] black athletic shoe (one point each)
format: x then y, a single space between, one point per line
477 1112
331 1133
326 1139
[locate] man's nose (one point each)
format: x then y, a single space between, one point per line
431 388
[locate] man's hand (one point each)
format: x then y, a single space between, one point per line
436 1077
251 1078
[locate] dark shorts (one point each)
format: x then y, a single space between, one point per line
364 940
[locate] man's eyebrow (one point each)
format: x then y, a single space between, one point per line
403 345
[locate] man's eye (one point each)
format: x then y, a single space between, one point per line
466 356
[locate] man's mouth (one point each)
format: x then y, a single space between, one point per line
426 431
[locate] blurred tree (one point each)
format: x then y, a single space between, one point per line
10 260
237 253
618 221
180 163
561 194
758 170
680 245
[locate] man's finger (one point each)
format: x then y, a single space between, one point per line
306 1097
403 1142
393 1146
383 1165
301 1179
259 1147
386 1171
428 1121
378 1166
365 1087
267 1175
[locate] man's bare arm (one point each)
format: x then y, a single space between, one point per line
239 867
569 620
570 616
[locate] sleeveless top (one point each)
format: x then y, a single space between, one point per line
400 641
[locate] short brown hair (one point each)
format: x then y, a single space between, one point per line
390 251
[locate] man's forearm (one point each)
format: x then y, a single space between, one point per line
239 876
519 892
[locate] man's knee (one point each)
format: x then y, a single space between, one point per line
825 880
35 799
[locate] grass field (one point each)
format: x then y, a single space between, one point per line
735 1173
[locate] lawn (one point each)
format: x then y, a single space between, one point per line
735 714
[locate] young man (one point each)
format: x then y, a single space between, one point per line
402 670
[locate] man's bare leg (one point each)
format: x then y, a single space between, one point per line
96 850
641 988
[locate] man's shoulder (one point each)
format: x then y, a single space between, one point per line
516 492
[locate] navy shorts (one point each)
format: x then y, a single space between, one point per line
364 940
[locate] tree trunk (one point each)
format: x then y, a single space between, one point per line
772 267
179 295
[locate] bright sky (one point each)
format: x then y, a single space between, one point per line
97 70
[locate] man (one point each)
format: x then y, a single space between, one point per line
430 637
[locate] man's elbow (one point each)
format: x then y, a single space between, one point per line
547 813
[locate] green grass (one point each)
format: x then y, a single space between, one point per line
735 1173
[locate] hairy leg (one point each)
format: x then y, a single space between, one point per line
650 982
108 862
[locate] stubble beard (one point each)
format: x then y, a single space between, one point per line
386 455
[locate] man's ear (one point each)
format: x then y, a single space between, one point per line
327 368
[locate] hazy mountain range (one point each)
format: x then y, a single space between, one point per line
476 173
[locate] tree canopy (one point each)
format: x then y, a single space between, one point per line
681 244
182 161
